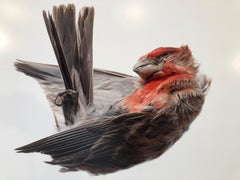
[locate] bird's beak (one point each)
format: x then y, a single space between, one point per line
141 64
146 69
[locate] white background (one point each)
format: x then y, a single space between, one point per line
123 31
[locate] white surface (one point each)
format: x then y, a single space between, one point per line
123 31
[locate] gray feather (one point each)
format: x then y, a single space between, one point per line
109 86
72 45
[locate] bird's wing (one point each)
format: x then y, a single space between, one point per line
72 45
106 145
109 86
50 79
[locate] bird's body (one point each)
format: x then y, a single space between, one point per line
123 120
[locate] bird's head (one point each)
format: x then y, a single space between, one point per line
165 61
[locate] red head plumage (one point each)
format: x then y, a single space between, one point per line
160 51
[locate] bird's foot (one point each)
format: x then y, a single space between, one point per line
68 95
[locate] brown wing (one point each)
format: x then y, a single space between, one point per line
107 145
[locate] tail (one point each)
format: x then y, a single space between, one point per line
71 88
72 45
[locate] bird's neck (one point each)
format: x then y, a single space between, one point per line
157 93
170 83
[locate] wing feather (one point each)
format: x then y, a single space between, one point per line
109 86
93 144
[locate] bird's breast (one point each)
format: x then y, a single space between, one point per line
154 95
149 96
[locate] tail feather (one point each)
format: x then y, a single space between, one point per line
72 45
85 28
59 52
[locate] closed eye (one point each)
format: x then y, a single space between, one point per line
164 54
163 57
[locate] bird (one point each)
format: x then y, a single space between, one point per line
114 121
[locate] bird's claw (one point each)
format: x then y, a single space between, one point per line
67 95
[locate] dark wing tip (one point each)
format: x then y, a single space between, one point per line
18 64
23 66
50 162
24 149
18 150
36 146
32 147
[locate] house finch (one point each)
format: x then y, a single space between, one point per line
120 120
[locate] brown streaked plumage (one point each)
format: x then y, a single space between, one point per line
120 120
